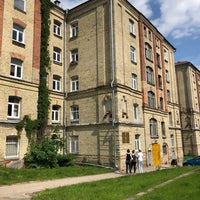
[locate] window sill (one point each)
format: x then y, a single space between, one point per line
57 62
133 35
134 62
58 36
74 63
18 44
75 121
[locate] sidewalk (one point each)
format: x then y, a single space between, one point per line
24 191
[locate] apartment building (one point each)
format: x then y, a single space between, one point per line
121 86
112 82
188 82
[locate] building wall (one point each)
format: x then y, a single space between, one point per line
26 87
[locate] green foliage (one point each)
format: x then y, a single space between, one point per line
29 125
43 154
43 96
65 160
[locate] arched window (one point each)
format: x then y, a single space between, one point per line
148 51
150 75
153 127
151 99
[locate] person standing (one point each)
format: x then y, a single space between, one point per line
140 160
128 162
133 161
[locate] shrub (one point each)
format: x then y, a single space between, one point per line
65 160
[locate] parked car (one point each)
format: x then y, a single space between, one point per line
192 161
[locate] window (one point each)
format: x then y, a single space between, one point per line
150 36
55 114
167 76
18 33
74 30
168 96
172 140
160 81
165 55
12 147
148 51
13 107
134 81
74 83
73 144
56 83
158 60
153 128
16 68
163 129
150 75
164 149
131 27
74 113
136 112
137 142
133 54
161 103
145 31
170 119
19 4
125 137
57 54
74 56
57 28
151 100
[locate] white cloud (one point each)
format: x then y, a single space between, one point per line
69 4
143 6
179 18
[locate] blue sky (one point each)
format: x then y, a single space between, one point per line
177 20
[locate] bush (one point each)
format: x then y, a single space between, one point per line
65 160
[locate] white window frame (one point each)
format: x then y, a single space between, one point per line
131 27
137 142
16 67
55 114
74 56
133 54
18 33
167 76
56 83
74 84
57 55
20 4
148 51
136 113
74 113
13 107
73 144
57 28
165 55
12 147
74 30
172 140
134 81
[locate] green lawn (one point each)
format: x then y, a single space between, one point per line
127 186
10 176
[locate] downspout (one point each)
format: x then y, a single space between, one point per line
113 79
64 86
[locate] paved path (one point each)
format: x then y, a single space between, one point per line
24 191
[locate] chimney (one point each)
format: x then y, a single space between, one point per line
57 3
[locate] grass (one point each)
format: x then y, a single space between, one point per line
119 188
10 176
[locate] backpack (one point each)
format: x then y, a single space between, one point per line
134 158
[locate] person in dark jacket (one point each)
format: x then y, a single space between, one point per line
128 161
133 161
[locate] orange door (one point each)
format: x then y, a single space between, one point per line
156 155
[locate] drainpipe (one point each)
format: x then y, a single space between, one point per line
64 86
113 79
